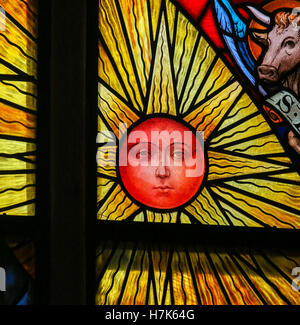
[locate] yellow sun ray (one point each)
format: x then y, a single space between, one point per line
107 73
104 185
184 219
218 77
277 279
6 70
201 63
265 289
18 97
161 217
140 217
182 280
224 165
117 207
262 146
110 286
292 176
186 39
262 211
231 279
160 260
12 164
162 95
243 108
237 218
103 253
114 38
287 193
24 210
155 11
286 160
24 55
20 93
107 160
16 122
151 299
136 19
15 182
207 117
12 198
19 11
206 282
171 13
206 210
138 275
253 126
116 113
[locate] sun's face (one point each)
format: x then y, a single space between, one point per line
161 163
162 75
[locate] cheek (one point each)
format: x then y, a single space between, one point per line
135 176
141 173
287 59
296 54
180 180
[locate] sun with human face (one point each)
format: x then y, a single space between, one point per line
161 163
159 79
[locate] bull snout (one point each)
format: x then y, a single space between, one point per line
267 73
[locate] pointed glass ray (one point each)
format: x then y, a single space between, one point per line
162 96
114 37
224 165
116 113
207 117
135 15
206 210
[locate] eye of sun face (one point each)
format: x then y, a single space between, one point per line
178 152
142 151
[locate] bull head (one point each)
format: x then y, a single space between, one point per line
265 72
282 46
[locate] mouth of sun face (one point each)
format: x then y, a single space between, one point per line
163 187
173 72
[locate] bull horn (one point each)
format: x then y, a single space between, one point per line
261 17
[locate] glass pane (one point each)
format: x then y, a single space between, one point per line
159 71
131 273
18 104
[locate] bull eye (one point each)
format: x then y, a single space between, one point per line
289 44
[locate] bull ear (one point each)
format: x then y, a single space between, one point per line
261 37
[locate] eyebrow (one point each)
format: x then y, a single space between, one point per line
131 145
180 143
192 148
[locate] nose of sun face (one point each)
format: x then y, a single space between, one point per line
162 171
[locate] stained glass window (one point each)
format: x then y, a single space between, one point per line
199 67
131 273
18 109
157 63
18 100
